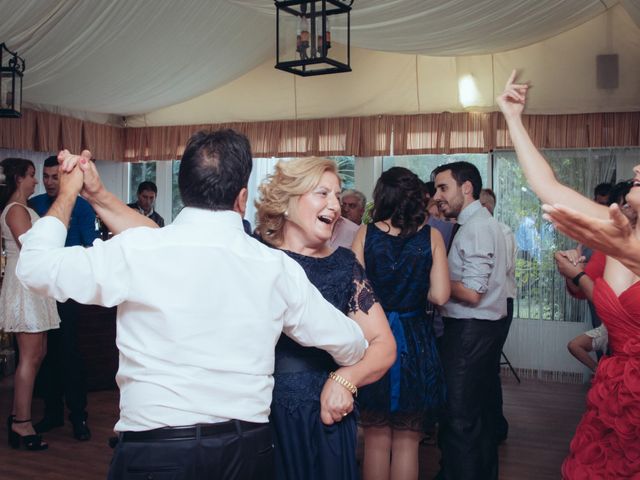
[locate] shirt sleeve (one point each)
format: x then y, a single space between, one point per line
477 251
510 242
313 322
96 275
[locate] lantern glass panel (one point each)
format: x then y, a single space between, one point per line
307 45
6 90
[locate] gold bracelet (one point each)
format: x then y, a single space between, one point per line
344 382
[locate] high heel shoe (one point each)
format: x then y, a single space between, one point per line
30 442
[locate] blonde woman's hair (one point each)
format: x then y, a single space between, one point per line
289 181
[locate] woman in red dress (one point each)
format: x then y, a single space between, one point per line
607 441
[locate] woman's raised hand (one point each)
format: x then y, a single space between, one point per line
513 99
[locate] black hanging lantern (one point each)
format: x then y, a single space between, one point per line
11 68
303 36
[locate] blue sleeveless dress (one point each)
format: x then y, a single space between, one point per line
412 394
305 448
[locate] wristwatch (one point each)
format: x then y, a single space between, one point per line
576 280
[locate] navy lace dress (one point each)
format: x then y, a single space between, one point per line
305 448
411 395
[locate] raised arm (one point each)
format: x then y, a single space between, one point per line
113 212
537 170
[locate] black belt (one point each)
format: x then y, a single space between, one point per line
190 432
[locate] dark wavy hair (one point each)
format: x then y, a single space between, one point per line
215 166
399 197
12 168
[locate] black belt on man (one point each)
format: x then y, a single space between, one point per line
191 432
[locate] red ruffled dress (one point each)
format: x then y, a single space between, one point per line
607 441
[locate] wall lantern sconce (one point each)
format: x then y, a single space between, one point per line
303 36
11 68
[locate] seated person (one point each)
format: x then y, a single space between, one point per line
595 340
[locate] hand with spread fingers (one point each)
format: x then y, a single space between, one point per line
614 237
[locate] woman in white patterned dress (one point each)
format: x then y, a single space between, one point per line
27 315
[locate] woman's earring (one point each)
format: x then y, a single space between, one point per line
286 214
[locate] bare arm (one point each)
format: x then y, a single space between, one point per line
569 270
335 398
580 347
358 244
18 221
464 294
440 287
382 347
113 212
537 170
70 185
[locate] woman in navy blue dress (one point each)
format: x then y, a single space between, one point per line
406 262
313 417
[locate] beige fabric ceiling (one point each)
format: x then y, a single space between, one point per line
199 61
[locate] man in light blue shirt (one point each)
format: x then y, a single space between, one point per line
473 324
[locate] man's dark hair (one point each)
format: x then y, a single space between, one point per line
602 189
399 197
147 185
619 192
215 166
462 172
490 192
430 188
51 161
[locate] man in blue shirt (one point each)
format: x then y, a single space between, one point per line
147 192
63 373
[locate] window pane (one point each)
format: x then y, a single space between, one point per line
346 168
176 201
541 289
423 165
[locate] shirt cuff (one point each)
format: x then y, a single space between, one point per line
472 284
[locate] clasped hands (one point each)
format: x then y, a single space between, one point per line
569 262
78 174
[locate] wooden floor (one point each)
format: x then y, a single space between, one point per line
542 418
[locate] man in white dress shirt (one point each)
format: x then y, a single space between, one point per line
200 308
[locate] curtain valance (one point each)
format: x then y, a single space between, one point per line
360 136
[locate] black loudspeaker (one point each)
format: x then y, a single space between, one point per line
607 71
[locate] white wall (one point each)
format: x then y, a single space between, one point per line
115 176
542 345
